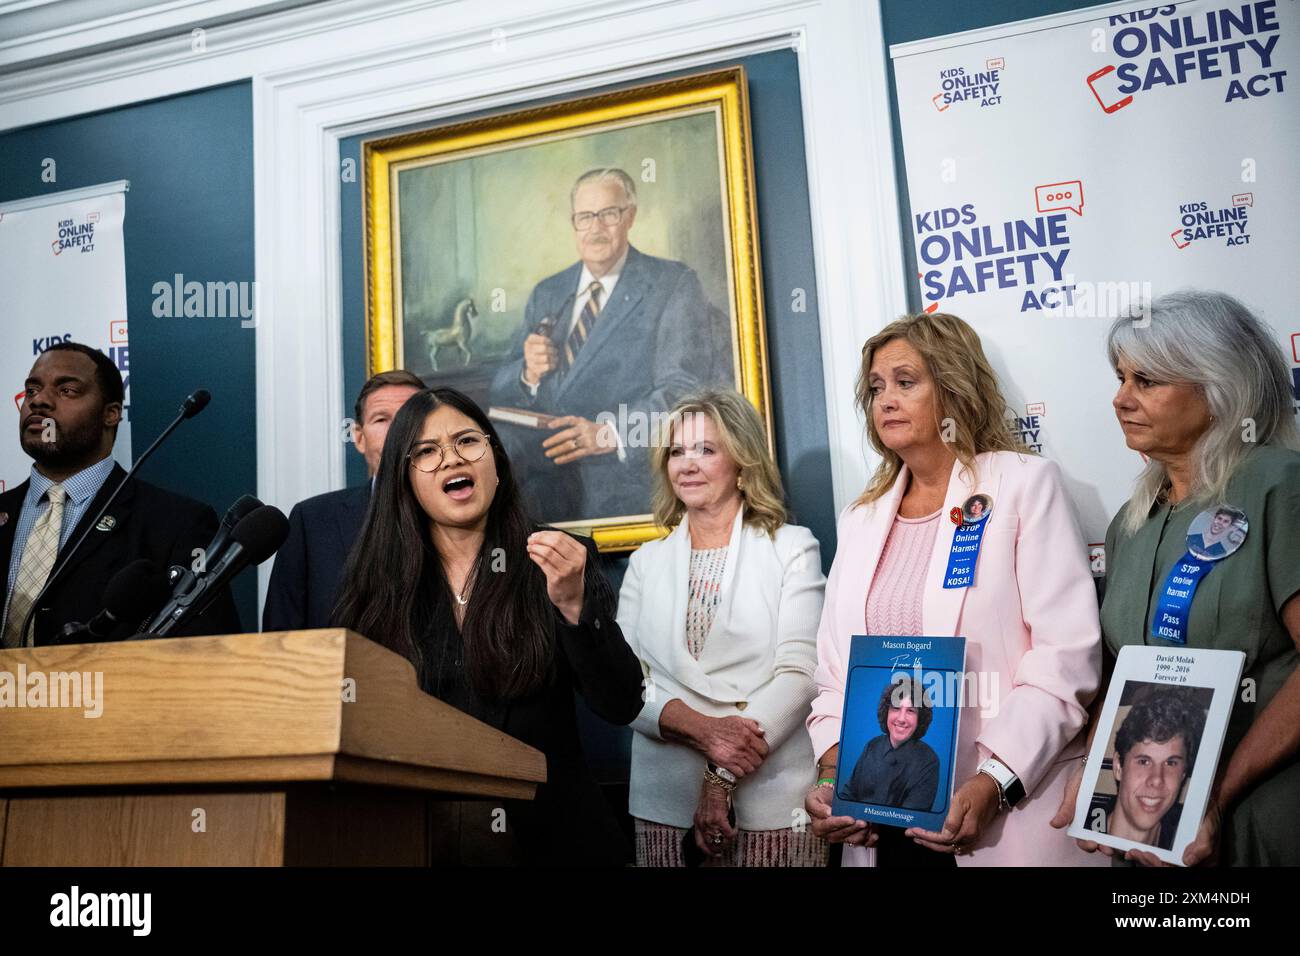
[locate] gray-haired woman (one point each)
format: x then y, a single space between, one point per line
1204 394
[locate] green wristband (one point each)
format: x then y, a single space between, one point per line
824 781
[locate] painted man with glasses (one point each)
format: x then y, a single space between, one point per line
616 337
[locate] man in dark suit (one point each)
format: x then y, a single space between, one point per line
607 346
67 424
308 567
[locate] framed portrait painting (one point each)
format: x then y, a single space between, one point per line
575 268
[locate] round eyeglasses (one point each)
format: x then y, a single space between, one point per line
428 456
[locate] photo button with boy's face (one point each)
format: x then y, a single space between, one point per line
1216 533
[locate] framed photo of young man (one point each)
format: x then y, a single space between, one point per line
576 268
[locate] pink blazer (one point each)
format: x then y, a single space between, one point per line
1032 635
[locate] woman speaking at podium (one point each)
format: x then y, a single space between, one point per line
501 619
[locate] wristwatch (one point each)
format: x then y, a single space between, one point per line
1010 790
722 772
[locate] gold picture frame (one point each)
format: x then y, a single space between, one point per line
716 101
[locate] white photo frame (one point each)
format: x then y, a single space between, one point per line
1153 685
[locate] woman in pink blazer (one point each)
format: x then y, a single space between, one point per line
936 415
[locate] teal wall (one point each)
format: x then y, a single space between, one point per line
190 210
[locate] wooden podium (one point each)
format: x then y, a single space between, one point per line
282 749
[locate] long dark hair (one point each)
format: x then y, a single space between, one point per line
394 580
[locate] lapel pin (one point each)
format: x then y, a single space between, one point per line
106 523
955 515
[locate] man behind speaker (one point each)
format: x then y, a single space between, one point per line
305 579
71 409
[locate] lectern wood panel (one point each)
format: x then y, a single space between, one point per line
290 748
252 695
286 706
237 829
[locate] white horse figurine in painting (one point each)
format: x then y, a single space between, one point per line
458 333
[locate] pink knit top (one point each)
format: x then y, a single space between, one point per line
894 602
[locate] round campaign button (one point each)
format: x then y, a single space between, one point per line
1216 533
976 509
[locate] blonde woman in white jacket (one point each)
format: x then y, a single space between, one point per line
723 615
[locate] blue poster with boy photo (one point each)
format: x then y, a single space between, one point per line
901 713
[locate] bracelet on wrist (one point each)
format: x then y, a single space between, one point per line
717 781
1002 796
824 782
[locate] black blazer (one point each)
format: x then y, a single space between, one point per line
309 565
148 522
569 822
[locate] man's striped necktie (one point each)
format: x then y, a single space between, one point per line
581 330
39 553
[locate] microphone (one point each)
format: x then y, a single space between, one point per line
194 403
129 595
256 537
183 579
242 508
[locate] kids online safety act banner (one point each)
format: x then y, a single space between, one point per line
1062 170
63 276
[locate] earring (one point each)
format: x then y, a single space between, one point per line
740 483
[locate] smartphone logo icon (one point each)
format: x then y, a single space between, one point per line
1176 236
937 105
1110 87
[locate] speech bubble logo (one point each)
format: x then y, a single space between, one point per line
1036 408
996 63
1054 196
1243 199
